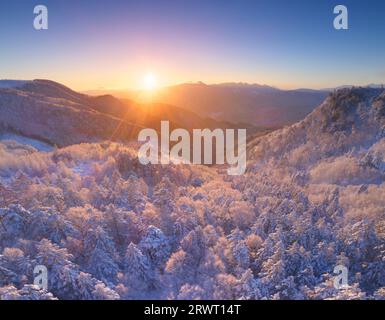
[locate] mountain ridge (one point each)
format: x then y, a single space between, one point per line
62 116
341 141
254 104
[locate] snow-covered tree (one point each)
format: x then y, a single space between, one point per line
137 269
156 246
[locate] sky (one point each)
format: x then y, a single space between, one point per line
113 44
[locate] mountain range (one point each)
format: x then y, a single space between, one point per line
259 105
107 227
54 113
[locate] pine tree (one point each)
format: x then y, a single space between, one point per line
138 273
155 245
100 255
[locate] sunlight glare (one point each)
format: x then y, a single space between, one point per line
149 82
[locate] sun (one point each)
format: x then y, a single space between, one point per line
150 82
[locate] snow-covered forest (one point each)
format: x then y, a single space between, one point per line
108 227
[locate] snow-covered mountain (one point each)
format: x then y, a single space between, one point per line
53 113
349 125
107 227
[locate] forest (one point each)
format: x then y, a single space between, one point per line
108 227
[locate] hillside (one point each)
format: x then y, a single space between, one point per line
347 129
107 227
53 113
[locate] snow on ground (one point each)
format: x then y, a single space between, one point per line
36 144
107 227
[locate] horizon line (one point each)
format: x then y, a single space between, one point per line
241 83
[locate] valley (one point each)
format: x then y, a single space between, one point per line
109 227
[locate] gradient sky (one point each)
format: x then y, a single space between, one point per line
112 44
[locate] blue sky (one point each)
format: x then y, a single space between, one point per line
111 44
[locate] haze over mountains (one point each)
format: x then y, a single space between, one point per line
254 104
